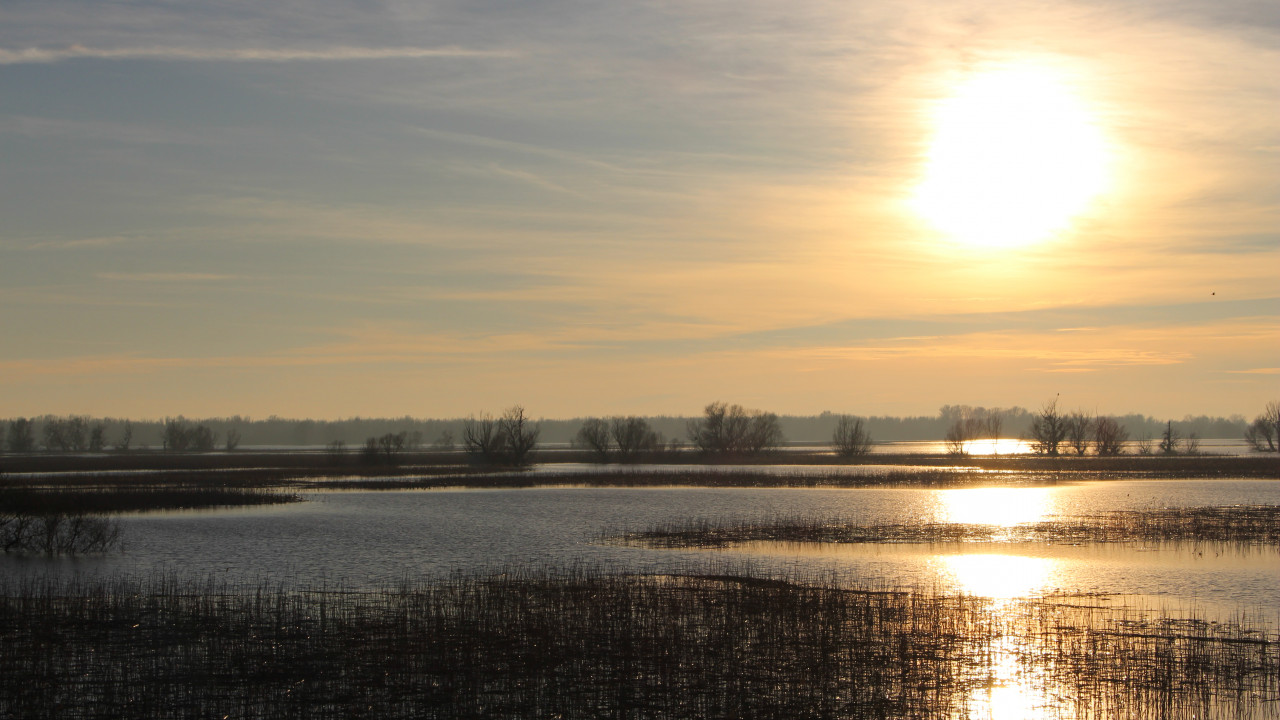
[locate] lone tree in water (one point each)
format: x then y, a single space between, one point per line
733 430
1264 432
628 436
383 449
1172 441
1079 431
519 435
506 441
594 436
632 435
969 426
1048 429
481 439
1109 436
850 438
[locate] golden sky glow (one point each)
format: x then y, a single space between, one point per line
637 208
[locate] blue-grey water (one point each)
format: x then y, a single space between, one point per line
375 537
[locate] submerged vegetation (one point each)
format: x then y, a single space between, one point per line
589 643
74 519
1242 525
57 533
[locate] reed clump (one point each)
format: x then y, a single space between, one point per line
588 643
797 478
1245 525
82 500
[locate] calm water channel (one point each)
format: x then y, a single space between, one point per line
361 538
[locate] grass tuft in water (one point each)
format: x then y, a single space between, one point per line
1244 525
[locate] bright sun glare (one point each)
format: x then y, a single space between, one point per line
1015 157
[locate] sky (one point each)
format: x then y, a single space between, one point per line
437 209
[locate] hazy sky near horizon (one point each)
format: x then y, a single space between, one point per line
331 209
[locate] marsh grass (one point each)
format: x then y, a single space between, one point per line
1246 525
312 471
815 478
257 467
118 499
589 643
695 476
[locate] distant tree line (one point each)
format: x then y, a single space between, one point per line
1054 432
76 433
957 425
724 430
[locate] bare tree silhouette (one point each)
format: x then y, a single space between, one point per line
850 438
594 436
1109 436
1048 429
508 440
632 435
519 436
1264 432
733 430
1079 431
480 438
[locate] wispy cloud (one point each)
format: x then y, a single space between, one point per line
89 241
171 277
52 128
78 52
1001 346
533 179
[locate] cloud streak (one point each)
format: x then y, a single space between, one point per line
169 277
28 56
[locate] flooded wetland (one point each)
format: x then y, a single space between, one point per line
840 592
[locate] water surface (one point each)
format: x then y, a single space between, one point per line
359 537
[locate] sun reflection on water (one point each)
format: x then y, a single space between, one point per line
1004 507
1000 577
1014 690
997 446
1012 693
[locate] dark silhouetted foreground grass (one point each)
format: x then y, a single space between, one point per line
590 644
1239 524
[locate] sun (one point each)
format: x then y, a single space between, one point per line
1016 156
